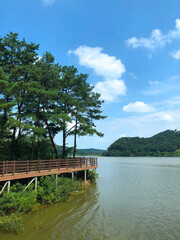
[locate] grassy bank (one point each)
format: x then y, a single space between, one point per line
19 201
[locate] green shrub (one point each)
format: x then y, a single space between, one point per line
49 192
92 175
19 201
8 203
11 224
26 201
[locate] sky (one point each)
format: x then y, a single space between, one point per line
129 48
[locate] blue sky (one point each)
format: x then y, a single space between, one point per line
129 48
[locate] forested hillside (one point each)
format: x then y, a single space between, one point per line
166 143
81 152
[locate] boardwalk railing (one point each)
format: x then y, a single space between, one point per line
13 167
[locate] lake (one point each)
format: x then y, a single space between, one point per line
134 199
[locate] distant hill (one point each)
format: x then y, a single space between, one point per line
83 152
166 143
90 152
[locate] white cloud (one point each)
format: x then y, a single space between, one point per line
145 125
104 65
174 101
166 116
156 39
175 55
160 87
138 107
48 2
111 89
109 67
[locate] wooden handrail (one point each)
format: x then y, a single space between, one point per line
27 166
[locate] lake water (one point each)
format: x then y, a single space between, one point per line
134 199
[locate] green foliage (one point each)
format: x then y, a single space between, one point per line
18 202
38 99
166 143
49 192
8 203
82 152
92 175
11 223
26 201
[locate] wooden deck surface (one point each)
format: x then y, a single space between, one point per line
12 170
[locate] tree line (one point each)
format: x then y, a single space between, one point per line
39 99
166 143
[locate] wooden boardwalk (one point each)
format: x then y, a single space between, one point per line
12 170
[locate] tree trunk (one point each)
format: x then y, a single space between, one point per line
38 148
32 148
64 144
3 123
52 141
75 135
13 145
37 125
20 144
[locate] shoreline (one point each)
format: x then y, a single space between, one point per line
18 203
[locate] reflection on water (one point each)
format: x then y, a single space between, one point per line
134 199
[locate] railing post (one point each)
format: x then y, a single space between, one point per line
27 167
66 163
50 165
80 162
59 162
6 166
3 168
39 165
86 159
13 167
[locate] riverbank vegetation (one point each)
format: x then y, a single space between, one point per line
166 143
18 201
40 98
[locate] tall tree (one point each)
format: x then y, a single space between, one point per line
16 58
66 100
41 100
80 105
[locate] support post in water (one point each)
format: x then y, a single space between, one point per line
72 175
95 175
56 180
84 177
8 186
35 183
